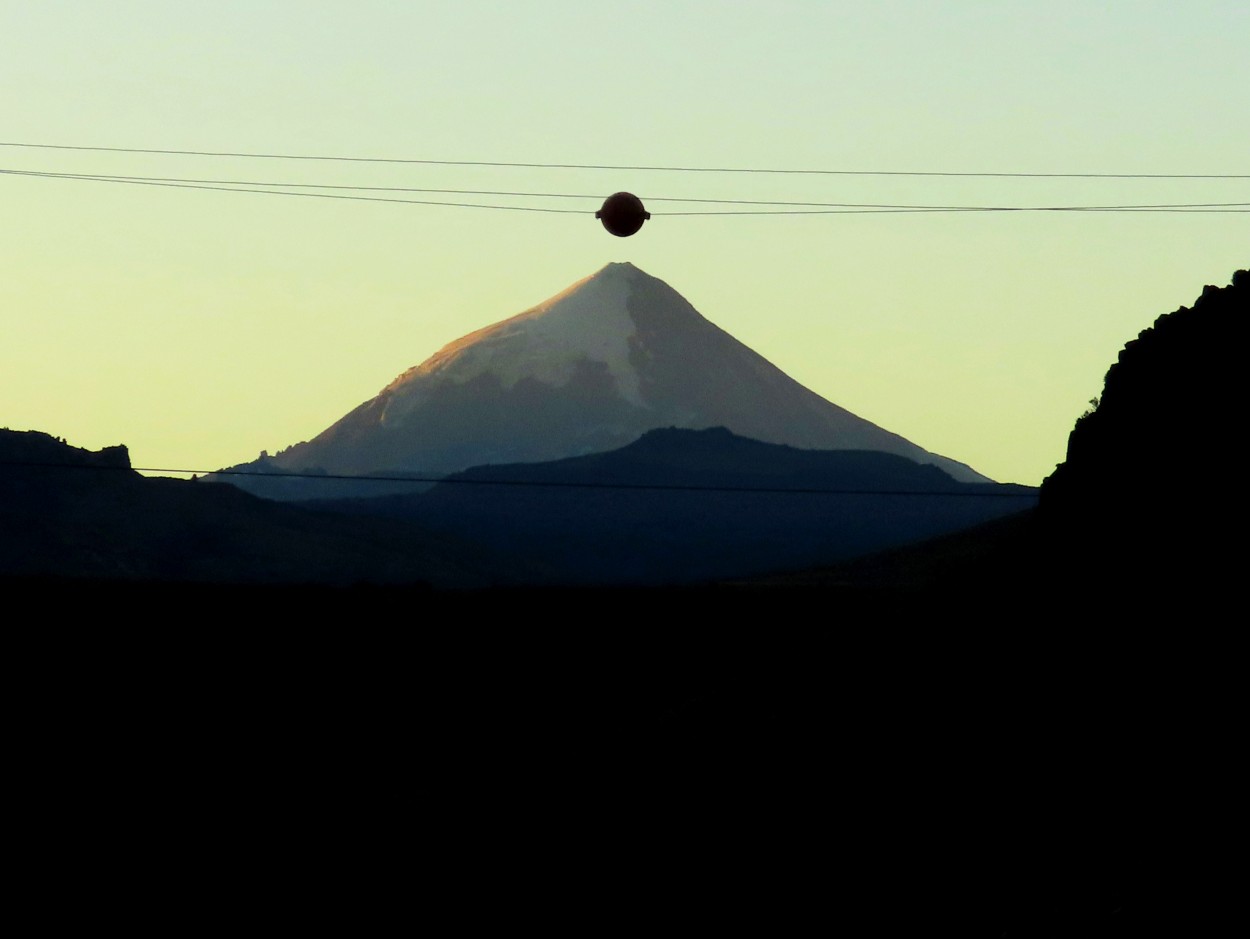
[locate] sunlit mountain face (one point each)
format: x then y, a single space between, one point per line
591 369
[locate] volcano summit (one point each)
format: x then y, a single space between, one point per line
591 369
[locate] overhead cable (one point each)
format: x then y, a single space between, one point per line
550 484
621 167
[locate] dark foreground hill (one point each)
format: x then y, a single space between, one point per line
876 764
683 506
72 513
880 762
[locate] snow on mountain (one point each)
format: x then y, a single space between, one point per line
588 320
593 368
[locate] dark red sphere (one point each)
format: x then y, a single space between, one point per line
622 214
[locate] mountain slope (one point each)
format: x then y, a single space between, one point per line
593 368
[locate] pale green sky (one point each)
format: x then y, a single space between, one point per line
201 327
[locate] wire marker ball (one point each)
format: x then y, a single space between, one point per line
622 214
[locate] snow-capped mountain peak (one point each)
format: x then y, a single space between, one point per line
588 320
593 368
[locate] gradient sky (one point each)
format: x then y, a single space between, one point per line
199 327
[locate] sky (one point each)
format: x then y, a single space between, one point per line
201 327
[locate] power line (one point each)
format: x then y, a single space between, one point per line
552 484
307 195
622 167
112 177
792 208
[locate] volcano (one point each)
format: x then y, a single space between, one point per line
593 368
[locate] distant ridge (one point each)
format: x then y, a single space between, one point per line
683 506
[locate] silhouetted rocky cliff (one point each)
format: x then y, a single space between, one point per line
1148 492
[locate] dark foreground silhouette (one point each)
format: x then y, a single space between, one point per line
878 763
675 506
889 752
1147 496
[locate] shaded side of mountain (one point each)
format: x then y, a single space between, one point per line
72 513
681 506
690 365
1141 499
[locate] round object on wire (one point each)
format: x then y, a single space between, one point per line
622 214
